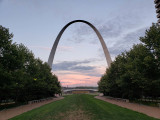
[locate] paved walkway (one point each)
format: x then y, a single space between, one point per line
9 113
150 111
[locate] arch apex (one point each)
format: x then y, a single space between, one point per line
53 50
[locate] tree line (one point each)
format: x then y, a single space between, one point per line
22 76
135 73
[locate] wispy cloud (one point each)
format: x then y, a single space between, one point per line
82 67
40 47
65 48
60 48
72 65
110 30
120 31
126 41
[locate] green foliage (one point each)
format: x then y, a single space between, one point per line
152 42
23 77
136 73
81 107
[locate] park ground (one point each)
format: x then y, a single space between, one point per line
81 107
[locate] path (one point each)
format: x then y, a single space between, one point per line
150 111
9 113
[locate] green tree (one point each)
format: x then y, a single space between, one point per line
23 77
5 46
152 41
138 73
132 75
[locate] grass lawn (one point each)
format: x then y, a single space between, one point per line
81 107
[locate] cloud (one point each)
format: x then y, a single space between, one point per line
65 48
76 39
120 30
78 67
72 65
133 37
126 41
60 48
65 82
82 68
110 29
40 47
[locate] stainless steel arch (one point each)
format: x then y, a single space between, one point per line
52 53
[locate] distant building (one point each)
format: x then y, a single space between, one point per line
80 91
157 6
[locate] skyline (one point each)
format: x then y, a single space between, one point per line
36 24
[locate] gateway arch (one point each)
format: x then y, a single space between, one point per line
53 51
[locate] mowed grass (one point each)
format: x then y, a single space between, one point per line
81 106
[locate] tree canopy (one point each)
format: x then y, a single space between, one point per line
22 76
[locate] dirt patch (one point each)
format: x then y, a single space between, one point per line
150 111
74 115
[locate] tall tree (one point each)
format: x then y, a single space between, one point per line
152 41
22 76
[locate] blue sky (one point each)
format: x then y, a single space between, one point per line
79 58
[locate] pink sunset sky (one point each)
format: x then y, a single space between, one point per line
79 59
72 79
